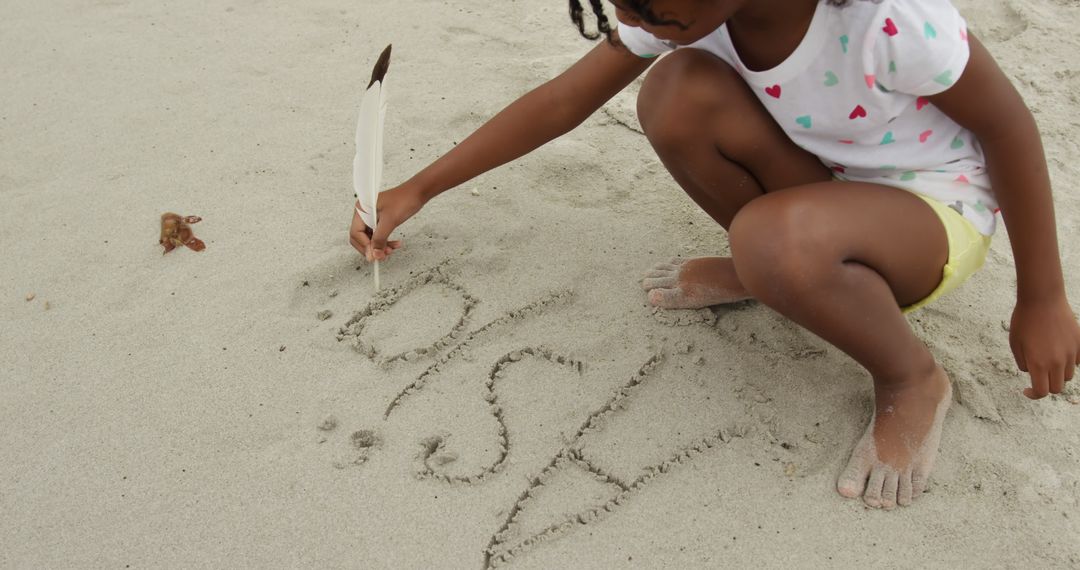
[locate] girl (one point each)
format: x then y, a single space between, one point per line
857 152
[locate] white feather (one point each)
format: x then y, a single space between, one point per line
368 162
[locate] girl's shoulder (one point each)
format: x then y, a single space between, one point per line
893 18
912 46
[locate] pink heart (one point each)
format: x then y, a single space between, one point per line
890 27
845 141
925 135
774 91
963 179
921 102
839 168
857 112
963 34
870 79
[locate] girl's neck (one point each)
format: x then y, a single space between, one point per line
772 14
766 32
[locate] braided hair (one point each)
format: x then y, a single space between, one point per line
639 7
603 24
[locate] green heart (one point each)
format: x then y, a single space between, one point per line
831 79
888 138
844 42
892 67
805 121
929 31
907 176
957 143
945 78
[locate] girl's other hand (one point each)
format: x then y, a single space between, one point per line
1045 339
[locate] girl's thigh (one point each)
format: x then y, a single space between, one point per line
809 228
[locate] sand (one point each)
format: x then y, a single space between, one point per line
509 398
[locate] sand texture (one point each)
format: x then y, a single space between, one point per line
509 398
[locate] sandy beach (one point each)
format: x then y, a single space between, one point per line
509 398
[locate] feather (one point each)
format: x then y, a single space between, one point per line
368 162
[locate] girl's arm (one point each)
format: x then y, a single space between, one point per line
539 116
1044 336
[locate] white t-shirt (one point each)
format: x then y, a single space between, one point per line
853 93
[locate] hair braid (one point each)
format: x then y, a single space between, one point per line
642 9
603 25
602 22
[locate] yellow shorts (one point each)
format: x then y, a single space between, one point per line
967 251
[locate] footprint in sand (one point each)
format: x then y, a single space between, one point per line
998 21
357 448
612 458
685 317
437 313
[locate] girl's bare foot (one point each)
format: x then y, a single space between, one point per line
694 283
892 461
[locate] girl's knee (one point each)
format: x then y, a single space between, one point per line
779 241
681 91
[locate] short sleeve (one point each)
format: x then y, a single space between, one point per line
921 46
642 43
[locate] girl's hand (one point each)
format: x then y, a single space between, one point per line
1045 339
360 237
395 206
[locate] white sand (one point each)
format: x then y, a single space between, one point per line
165 412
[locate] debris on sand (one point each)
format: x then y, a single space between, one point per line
176 231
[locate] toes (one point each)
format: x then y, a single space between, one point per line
889 489
918 484
904 494
872 496
852 482
656 272
664 268
667 298
651 283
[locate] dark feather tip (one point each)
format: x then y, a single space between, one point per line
381 67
